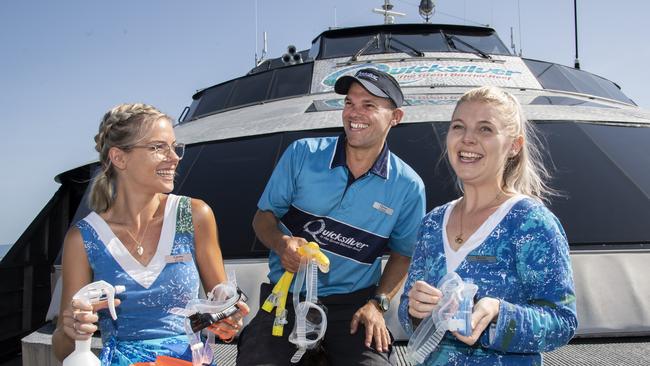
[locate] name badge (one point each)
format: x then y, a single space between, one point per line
482 258
187 257
383 208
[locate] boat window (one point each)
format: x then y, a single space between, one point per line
250 88
264 86
332 47
559 77
487 44
230 176
290 81
213 99
348 46
600 169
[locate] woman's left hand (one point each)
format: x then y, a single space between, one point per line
485 310
227 329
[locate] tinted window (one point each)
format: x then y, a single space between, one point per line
558 77
431 42
213 99
293 80
420 146
250 89
487 44
348 46
421 42
602 171
230 176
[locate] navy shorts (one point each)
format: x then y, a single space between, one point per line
257 346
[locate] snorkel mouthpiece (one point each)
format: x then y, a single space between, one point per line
311 319
221 303
312 251
453 312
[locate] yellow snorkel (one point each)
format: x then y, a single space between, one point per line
278 296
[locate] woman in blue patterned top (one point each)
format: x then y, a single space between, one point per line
500 235
161 247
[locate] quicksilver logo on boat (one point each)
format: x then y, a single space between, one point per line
319 233
414 73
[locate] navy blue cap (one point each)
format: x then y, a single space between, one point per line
377 83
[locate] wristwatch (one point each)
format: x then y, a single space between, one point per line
382 302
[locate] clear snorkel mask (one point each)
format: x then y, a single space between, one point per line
201 313
311 318
453 312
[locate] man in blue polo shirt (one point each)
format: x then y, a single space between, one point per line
354 198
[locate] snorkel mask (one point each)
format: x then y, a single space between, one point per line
453 312
311 319
221 303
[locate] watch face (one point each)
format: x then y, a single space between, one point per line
383 302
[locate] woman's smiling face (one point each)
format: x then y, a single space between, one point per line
478 145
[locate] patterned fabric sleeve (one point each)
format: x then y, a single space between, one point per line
548 320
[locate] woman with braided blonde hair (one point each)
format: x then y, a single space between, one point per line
498 234
160 246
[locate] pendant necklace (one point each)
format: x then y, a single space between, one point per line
459 238
139 249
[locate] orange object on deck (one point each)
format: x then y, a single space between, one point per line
164 361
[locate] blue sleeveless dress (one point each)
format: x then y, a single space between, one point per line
144 328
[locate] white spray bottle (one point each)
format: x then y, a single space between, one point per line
91 294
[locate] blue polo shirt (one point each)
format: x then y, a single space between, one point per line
315 197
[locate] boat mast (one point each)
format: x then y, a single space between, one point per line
386 11
576 62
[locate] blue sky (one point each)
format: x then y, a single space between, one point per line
64 63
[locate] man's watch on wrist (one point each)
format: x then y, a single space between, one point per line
381 301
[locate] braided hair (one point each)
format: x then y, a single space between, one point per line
123 125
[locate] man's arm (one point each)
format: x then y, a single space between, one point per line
394 274
369 314
265 225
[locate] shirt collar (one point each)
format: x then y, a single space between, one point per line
379 168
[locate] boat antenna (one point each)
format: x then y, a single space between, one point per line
576 62
259 61
264 50
389 15
335 25
519 24
427 7
512 41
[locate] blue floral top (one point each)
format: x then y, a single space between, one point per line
144 327
524 262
